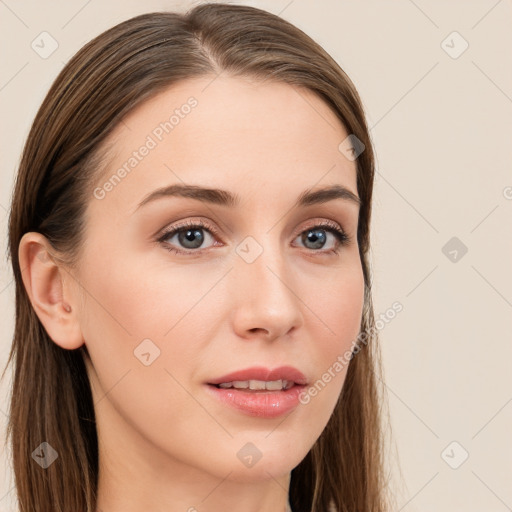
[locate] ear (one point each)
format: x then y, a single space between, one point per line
47 285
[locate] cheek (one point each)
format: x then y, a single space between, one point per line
338 307
149 324
132 317
131 300
346 309
336 324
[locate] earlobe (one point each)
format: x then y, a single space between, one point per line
45 282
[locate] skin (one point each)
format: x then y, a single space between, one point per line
165 444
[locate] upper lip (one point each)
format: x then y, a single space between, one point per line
261 373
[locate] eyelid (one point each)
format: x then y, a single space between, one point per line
321 223
339 231
165 232
176 228
204 223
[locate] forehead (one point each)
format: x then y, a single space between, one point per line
225 132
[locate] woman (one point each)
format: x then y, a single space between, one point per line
189 236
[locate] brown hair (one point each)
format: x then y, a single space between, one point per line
119 69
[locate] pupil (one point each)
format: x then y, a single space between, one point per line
318 240
190 237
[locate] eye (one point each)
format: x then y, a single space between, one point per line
315 237
191 236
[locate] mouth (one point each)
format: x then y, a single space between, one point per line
259 391
257 386
260 378
258 398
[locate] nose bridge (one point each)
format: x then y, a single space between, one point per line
264 295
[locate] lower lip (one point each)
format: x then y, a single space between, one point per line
263 404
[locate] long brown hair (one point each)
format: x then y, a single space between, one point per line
119 69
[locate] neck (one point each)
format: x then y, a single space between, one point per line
144 478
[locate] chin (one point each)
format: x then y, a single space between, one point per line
262 471
262 461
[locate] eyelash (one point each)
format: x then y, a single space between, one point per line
342 237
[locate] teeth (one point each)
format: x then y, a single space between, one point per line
273 385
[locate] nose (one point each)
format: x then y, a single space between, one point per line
265 302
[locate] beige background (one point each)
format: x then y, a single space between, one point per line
442 129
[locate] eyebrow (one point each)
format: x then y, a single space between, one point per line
225 198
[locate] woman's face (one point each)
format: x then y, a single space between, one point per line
249 287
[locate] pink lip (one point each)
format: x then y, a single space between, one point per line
262 373
260 403
263 404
